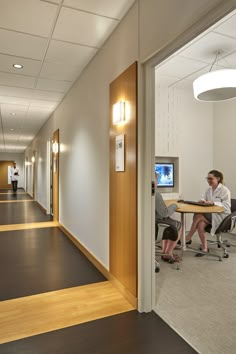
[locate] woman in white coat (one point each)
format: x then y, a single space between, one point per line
216 194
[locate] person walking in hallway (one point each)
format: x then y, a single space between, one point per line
14 177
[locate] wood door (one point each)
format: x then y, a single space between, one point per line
4 174
123 185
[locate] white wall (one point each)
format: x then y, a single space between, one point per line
83 122
19 159
224 142
184 129
83 115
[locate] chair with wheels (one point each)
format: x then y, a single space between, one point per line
226 227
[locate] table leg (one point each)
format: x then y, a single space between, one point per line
183 221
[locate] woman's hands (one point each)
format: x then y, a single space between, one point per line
208 202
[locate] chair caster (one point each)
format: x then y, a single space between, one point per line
226 255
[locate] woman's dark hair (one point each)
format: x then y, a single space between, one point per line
218 174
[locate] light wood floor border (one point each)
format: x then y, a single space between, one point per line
11 193
121 288
33 225
32 315
16 201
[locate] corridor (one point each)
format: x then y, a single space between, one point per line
53 300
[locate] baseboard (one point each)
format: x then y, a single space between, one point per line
120 287
41 207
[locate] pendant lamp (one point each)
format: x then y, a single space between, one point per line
216 85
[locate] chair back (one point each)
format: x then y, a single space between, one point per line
233 205
227 224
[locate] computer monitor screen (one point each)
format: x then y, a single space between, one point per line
165 174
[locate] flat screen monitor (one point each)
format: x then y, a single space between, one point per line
165 172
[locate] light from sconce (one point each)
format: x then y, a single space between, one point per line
55 147
33 159
118 113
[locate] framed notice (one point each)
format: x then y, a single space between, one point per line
120 153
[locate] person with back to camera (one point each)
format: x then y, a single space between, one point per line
14 177
216 194
162 215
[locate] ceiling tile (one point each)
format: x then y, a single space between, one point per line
227 27
46 95
39 112
68 53
205 48
30 67
15 91
53 85
229 61
58 71
41 103
29 16
18 109
91 30
14 100
179 67
110 8
17 80
22 45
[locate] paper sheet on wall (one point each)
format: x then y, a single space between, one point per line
120 153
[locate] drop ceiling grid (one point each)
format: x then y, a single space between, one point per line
201 50
45 37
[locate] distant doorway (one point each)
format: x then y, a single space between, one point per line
5 180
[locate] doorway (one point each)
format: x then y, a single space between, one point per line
5 180
190 190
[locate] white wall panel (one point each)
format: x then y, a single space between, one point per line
224 142
83 122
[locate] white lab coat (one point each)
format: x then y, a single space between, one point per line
13 176
221 197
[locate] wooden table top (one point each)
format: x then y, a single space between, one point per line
190 208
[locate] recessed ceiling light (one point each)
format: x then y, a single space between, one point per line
13 114
11 129
18 66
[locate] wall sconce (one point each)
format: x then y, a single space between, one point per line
33 159
55 147
118 112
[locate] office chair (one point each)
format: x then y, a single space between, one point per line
160 229
226 226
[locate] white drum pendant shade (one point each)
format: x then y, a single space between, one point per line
215 86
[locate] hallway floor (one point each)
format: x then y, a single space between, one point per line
53 300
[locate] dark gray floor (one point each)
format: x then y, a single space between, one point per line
12 196
41 260
127 333
23 212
